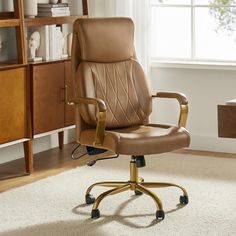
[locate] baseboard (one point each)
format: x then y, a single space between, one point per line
213 144
206 153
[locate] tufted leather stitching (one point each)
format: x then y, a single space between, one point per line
116 76
114 80
136 95
98 87
129 101
126 88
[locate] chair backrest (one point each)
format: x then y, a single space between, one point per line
105 67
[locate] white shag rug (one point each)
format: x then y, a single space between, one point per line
55 206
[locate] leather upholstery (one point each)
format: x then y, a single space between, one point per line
141 140
105 67
123 88
179 96
97 48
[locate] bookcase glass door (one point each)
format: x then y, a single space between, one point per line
8 48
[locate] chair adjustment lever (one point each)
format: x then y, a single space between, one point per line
94 151
91 151
73 156
91 163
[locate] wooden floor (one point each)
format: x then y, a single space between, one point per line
55 161
47 163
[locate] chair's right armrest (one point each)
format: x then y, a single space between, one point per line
182 99
183 102
101 116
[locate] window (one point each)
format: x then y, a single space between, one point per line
198 30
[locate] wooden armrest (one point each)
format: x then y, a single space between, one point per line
101 122
183 102
94 101
179 96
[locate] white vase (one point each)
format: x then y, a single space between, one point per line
7 5
30 8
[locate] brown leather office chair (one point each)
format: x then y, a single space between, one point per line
114 103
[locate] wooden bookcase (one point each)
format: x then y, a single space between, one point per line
33 95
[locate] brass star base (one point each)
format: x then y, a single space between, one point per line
136 184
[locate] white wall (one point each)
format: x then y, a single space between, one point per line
205 89
102 8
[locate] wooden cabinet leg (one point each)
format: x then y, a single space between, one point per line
61 139
28 149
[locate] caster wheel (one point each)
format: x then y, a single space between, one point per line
140 179
137 192
160 215
91 163
183 200
95 214
89 199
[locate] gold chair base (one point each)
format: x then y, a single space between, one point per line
135 184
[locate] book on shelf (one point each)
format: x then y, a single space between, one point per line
50 13
58 9
53 43
53 14
44 45
47 9
56 43
51 5
50 44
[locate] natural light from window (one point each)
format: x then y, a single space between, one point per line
200 30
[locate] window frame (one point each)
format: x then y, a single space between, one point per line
192 62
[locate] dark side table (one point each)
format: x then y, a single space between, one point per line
227 119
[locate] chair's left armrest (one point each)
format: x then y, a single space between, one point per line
101 123
183 102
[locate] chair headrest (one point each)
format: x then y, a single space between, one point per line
105 39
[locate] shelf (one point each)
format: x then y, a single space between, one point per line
54 131
10 65
48 62
9 22
14 142
52 20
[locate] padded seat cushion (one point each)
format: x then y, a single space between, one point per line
141 140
